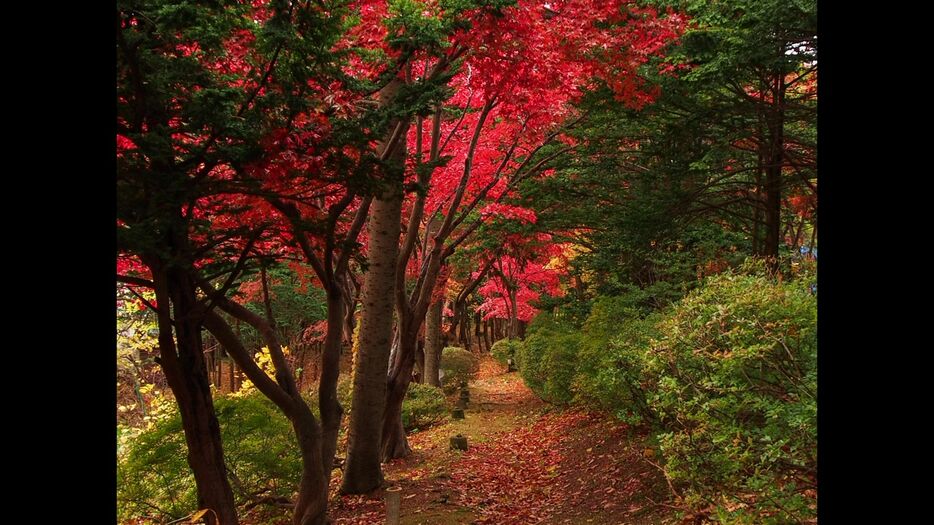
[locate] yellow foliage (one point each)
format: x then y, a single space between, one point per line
264 361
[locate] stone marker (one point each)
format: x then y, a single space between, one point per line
457 413
459 442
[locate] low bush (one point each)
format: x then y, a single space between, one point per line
610 362
153 477
423 406
734 382
457 365
726 377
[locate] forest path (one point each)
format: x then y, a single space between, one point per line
527 462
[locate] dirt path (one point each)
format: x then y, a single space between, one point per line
527 463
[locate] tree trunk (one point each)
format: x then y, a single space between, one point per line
312 501
185 372
513 313
775 121
330 409
464 329
349 293
419 376
455 319
311 504
233 372
486 334
362 472
394 443
433 343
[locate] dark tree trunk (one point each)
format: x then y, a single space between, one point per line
464 333
311 504
394 443
233 373
773 172
419 376
330 409
455 319
433 343
513 314
486 334
182 361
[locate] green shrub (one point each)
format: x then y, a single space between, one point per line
547 359
504 350
153 477
734 381
610 361
458 365
423 406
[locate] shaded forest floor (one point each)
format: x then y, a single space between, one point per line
527 462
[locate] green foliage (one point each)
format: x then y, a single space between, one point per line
613 344
505 349
296 305
457 365
424 405
734 382
547 358
153 477
727 377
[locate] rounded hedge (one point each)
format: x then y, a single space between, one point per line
504 350
458 365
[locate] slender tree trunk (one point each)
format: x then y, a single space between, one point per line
513 314
350 305
433 342
775 121
219 366
311 504
455 319
798 230
330 409
419 376
348 323
462 326
394 443
267 301
185 372
486 334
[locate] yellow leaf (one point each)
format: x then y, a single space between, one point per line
198 515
